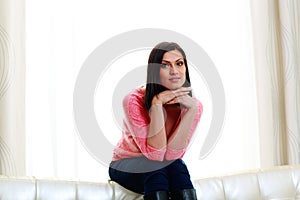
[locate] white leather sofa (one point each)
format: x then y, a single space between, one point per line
278 183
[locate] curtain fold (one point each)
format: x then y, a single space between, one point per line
277 53
12 72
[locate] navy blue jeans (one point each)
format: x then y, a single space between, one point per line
144 176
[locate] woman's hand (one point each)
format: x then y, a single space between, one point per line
175 96
169 95
185 100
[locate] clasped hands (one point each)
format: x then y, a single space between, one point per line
180 96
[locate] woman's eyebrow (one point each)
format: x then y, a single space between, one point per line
169 61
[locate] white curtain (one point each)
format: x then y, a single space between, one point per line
60 35
12 73
277 54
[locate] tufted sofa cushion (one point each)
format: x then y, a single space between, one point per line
30 188
278 183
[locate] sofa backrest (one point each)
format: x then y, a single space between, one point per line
279 183
30 188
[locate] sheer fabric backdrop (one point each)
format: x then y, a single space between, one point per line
12 91
61 34
277 52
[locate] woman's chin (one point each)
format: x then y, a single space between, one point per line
174 87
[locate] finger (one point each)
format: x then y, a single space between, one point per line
178 94
169 95
171 102
183 89
183 98
175 100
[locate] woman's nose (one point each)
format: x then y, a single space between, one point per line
173 70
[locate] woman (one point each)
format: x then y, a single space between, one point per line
160 120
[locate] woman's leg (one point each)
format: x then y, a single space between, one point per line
156 185
181 186
157 180
179 176
140 175
130 181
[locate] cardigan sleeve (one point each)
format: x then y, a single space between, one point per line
138 120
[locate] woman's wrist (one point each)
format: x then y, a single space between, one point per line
156 101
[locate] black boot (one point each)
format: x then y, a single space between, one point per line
159 195
187 194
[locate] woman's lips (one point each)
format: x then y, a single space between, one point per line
174 79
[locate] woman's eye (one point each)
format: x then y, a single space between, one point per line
164 65
180 63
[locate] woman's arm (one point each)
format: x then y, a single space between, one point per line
150 134
157 134
136 123
179 140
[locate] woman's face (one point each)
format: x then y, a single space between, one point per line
172 71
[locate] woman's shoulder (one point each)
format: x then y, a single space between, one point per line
136 93
135 97
133 104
